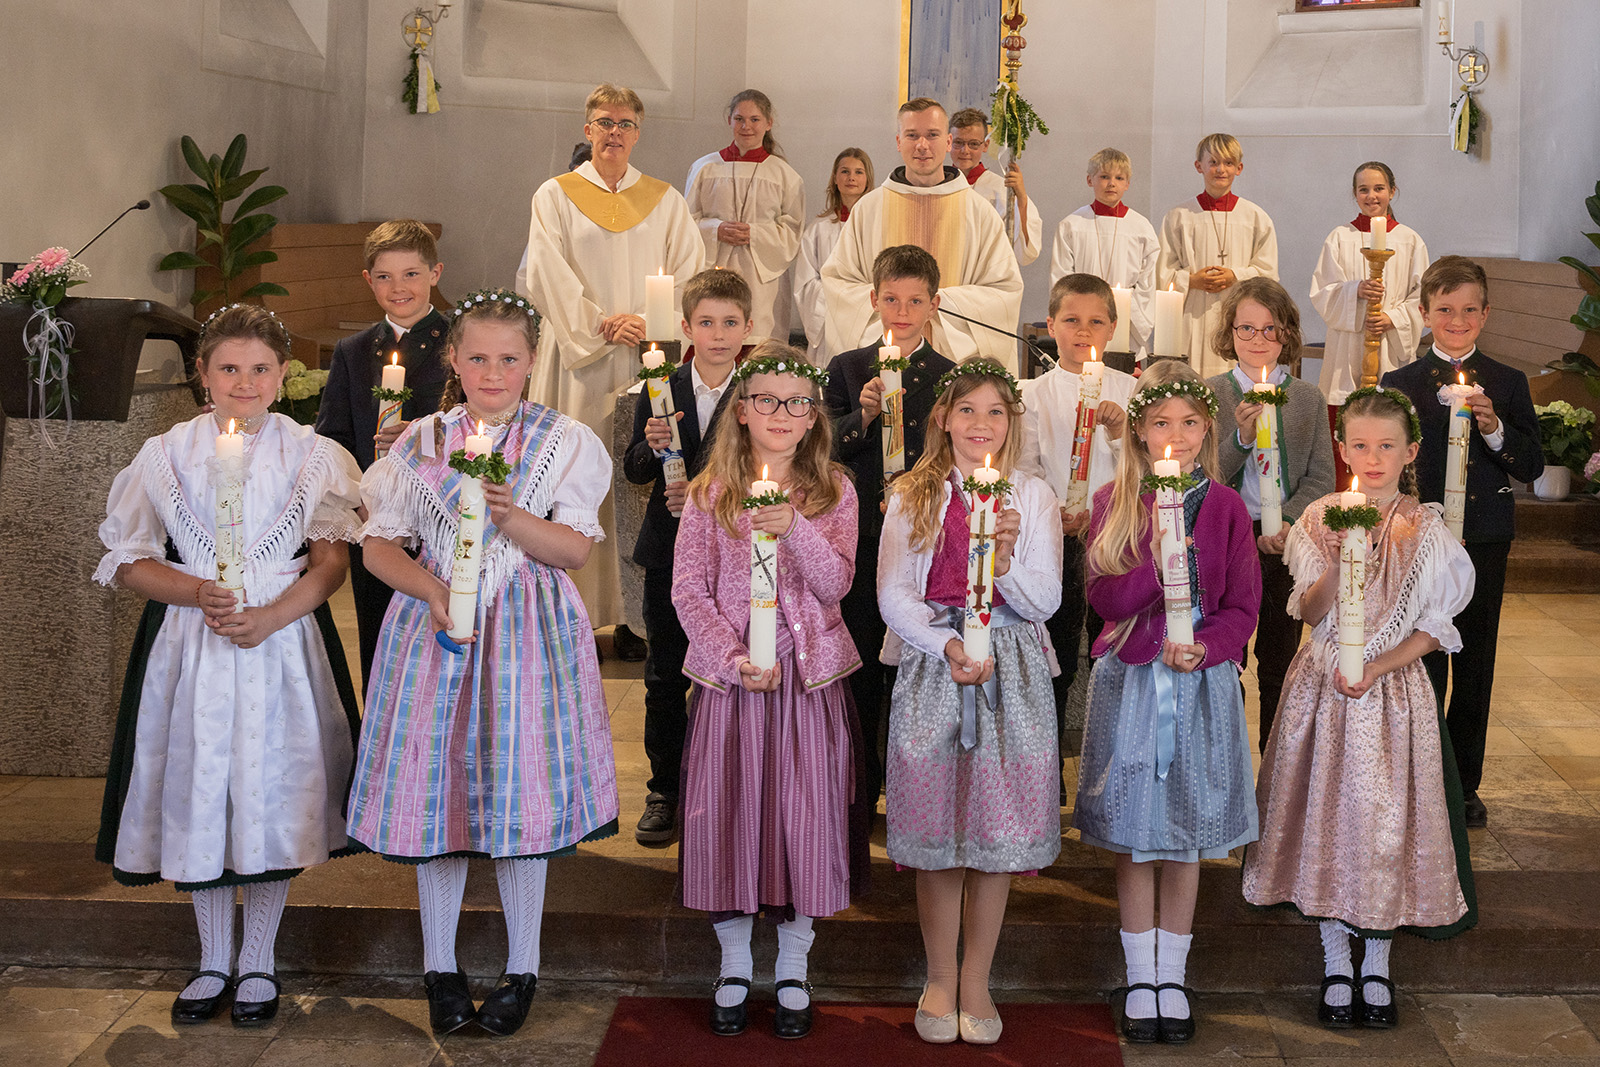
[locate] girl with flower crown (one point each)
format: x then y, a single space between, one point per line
232 751
773 818
1165 773
501 745
974 769
1362 820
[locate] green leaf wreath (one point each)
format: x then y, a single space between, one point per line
489 467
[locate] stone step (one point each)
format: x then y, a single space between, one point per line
614 919
1553 567
1576 519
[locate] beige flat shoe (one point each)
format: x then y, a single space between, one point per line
937 1029
975 1031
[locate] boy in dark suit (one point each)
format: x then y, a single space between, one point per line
1505 444
905 293
402 268
716 319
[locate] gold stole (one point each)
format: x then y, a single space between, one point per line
937 224
616 212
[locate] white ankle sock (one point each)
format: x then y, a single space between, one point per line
734 936
1336 960
263 910
213 914
794 942
1172 962
441 884
1139 950
1375 964
522 900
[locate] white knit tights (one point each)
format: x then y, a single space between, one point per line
441 883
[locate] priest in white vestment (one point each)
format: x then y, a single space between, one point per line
596 232
930 205
969 143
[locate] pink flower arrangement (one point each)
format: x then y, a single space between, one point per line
52 258
20 276
1591 468
44 279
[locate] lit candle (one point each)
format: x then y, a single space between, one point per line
659 321
1267 463
470 516
394 380
1455 398
1352 596
662 407
1380 233
1089 380
893 430
981 527
480 443
763 636
1174 554
1123 299
1167 313
230 513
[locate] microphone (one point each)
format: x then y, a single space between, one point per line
140 206
1050 361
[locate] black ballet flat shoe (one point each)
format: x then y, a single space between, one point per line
1338 1016
1175 1031
1477 814
1139 1031
629 646
727 1022
187 1011
256 1012
449 1001
791 1023
1380 1016
504 1010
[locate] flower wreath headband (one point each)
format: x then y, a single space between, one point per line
481 297
1396 396
283 330
780 365
986 367
1197 391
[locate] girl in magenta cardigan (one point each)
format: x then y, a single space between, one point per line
769 769
1165 772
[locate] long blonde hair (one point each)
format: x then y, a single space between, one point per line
732 460
922 486
1122 543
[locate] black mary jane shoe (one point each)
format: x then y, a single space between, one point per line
791 1023
1139 1031
504 1010
449 1001
1338 1016
1379 1016
1175 1031
187 1011
256 1012
726 1022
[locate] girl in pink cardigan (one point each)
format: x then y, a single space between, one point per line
769 773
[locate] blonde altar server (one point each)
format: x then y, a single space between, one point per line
1352 305
1212 243
969 140
1112 241
596 232
749 203
930 205
851 178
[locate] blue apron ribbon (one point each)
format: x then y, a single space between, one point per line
1167 711
955 618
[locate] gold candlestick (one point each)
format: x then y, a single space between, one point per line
1370 361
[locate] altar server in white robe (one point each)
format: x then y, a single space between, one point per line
1113 242
851 178
749 204
969 142
930 205
1352 305
596 232
1211 244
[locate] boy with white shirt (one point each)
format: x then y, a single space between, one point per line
969 140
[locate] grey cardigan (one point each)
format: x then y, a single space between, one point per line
1307 444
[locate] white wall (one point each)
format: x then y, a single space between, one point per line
1560 128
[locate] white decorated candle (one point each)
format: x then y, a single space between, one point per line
230 513
1174 555
1380 233
659 321
763 636
1352 596
394 380
1456 397
662 407
471 511
480 443
1266 455
981 526
1167 316
1123 299
893 430
1089 382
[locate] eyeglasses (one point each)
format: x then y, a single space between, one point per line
767 404
970 146
626 125
1245 333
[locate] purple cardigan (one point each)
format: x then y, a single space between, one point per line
711 590
1230 584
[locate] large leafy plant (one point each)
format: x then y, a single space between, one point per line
223 180
1588 316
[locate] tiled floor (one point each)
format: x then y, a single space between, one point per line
1542 785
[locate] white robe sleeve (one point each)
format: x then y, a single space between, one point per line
1141 316
1263 251
1027 241
1444 587
696 196
1403 302
1176 260
337 493
553 285
775 233
132 529
1032 459
1333 294
815 246
1063 260
582 473
990 292
847 279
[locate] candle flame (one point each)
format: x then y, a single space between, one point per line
1263 375
661 272
654 349
1169 452
1094 355
1355 483
1461 377
764 473
987 460
230 427
480 427
888 338
394 358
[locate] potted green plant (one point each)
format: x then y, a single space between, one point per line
223 246
1567 434
1587 317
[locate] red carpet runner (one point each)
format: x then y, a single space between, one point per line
673 1032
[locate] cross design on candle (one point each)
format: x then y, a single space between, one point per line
764 560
